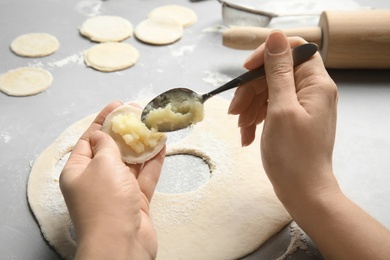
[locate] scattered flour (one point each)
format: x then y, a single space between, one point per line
75 58
182 50
215 28
216 78
5 137
89 7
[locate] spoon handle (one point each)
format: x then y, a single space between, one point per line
300 54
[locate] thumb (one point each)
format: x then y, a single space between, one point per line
102 143
279 70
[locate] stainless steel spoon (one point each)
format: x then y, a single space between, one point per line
300 54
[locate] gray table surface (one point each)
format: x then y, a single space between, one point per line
30 124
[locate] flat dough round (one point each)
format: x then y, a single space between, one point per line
106 28
129 155
184 15
111 56
25 81
228 217
159 30
35 45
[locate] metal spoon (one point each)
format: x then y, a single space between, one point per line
300 54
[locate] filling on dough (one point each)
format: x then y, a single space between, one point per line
134 132
176 115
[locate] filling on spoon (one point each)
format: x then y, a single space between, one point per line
178 114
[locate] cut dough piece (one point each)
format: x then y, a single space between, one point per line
25 81
159 30
35 45
111 56
135 141
184 15
106 28
228 217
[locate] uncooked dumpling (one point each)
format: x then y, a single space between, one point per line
135 141
159 30
111 56
106 28
35 45
25 81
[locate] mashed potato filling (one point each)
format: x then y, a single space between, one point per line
134 132
175 115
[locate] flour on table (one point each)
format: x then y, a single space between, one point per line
216 78
89 7
228 217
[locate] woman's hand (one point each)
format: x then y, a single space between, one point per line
108 201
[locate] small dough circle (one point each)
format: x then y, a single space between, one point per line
128 154
35 45
159 30
25 81
111 56
106 28
184 15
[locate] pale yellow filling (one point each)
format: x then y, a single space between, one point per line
134 132
176 115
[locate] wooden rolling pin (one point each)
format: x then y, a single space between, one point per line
347 39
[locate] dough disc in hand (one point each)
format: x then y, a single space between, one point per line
35 45
159 30
25 81
111 56
106 28
128 154
184 15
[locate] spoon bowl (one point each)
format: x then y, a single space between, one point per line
179 108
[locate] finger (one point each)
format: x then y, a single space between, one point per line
250 115
82 147
248 134
244 95
280 72
150 174
256 60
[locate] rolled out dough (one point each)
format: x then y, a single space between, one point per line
106 28
35 45
111 56
228 217
184 15
159 30
25 81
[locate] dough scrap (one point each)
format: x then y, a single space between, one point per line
106 28
184 15
159 30
130 155
230 216
35 45
111 56
25 81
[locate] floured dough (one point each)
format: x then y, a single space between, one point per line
228 217
159 30
139 144
25 81
35 45
184 15
111 56
106 28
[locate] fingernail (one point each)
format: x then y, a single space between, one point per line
276 42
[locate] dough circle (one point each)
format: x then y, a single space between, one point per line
35 45
25 81
128 155
111 56
228 217
159 30
106 28
184 15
